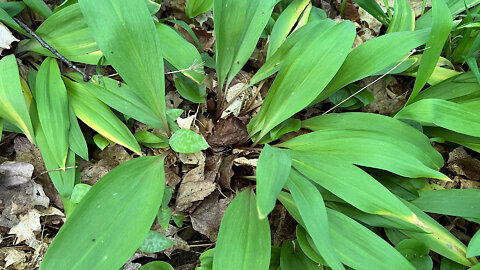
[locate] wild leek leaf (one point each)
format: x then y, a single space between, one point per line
442 113
197 7
100 141
242 245
190 90
99 117
284 23
120 97
292 258
132 47
442 22
297 84
238 25
403 17
474 246
453 202
110 210
39 7
272 173
52 106
76 140
155 242
310 204
416 253
157 265
186 141
12 102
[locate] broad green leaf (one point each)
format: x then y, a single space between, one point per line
416 253
65 4
351 184
284 23
12 8
460 89
403 18
155 242
132 47
99 117
157 265
76 140
355 245
292 258
197 7
238 25
441 25
272 173
151 140
7 19
448 135
121 97
442 113
206 260
373 56
306 244
438 238
12 102
454 6
453 202
297 83
372 7
372 146
285 127
417 143
447 264
39 7
67 32
180 53
79 191
101 141
190 90
242 245
187 141
474 246
310 204
52 106
109 216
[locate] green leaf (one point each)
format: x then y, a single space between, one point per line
461 139
76 140
99 117
351 138
453 202
157 265
104 218
474 246
67 32
454 6
306 244
206 260
186 141
416 253
459 89
121 97
12 8
39 7
12 102
372 7
7 19
310 204
238 25
246 244
190 90
403 18
151 140
155 242
180 53
1 129
101 141
197 7
52 106
132 47
374 56
272 173
297 83
447 264
289 125
292 258
442 113
79 191
284 23
441 25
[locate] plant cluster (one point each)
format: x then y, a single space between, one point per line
356 183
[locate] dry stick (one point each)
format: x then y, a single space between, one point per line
42 42
54 170
368 85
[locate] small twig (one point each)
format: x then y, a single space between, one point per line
54 170
370 84
195 67
52 50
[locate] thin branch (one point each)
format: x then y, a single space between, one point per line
370 84
54 170
52 50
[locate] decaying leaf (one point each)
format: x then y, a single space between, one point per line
6 38
194 187
208 215
243 161
15 173
15 257
228 131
